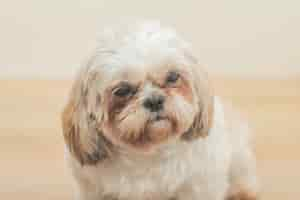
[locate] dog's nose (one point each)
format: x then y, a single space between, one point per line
154 103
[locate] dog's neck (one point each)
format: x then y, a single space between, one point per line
171 150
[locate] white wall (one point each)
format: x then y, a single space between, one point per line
49 38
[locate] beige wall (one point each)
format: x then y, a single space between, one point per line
49 38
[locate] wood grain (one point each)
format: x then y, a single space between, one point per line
31 143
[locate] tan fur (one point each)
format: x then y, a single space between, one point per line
242 195
83 138
203 120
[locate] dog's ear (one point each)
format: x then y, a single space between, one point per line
81 119
203 119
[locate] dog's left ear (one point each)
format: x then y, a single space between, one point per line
205 103
81 119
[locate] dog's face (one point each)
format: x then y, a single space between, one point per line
137 96
145 107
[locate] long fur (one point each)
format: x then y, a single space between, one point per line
116 152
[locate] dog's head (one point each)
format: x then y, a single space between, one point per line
141 89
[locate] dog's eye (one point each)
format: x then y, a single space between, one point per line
172 77
123 91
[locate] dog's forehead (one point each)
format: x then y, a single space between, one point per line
139 62
142 71
137 52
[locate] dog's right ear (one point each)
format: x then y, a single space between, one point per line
81 118
204 117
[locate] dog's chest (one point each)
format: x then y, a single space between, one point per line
157 177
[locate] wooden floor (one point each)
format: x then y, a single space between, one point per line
31 144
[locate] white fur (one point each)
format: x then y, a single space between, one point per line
206 168
186 170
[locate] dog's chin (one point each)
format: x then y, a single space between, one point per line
159 129
156 131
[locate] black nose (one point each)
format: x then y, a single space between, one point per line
154 103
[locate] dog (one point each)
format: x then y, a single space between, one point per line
143 123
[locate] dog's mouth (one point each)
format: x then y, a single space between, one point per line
162 121
158 118
160 124
158 128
